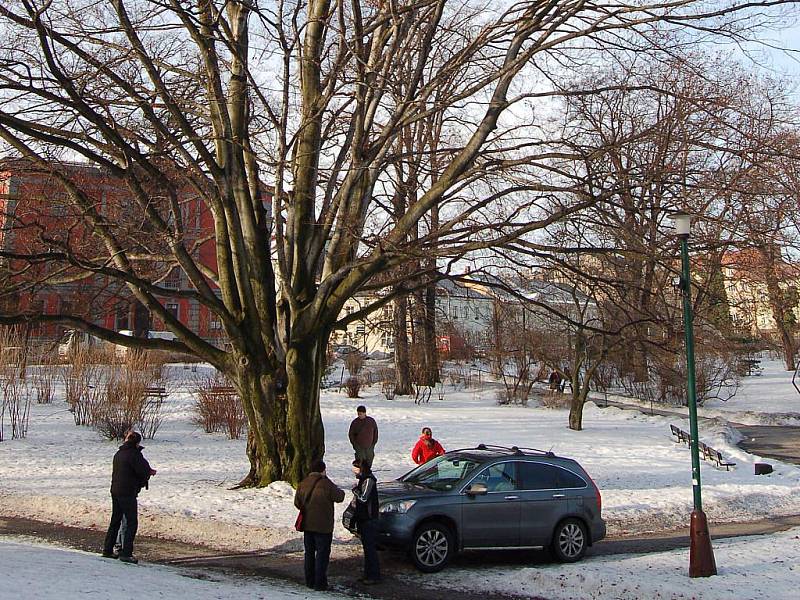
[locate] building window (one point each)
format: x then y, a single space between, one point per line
387 340
173 310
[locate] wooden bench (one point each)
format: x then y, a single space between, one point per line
680 434
715 456
156 392
222 391
706 452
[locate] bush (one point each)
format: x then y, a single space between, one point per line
83 387
16 400
353 386
218 407
44 371
129 402
354 363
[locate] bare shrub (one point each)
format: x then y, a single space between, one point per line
354 363
16 401
388 388
353 387
715 375
43 376
134 398
83 381
218 406
555 399
17 404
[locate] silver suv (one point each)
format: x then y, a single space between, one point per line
491 497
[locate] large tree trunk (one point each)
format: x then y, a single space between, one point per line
782 314
579 393
402 363
286 431
431 362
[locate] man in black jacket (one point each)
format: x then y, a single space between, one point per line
130 474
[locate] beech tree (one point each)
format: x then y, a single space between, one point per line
233 100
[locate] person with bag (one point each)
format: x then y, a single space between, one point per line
314 498
366 517
426 448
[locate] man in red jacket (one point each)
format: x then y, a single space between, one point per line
426 448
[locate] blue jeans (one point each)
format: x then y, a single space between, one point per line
122 506
318 553
368 530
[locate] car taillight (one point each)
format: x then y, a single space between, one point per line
597 495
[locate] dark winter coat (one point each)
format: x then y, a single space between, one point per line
366 493
318 506
363 432
131 471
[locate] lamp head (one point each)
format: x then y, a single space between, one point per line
683 223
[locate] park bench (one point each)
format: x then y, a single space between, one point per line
156 392
750 366
707 452
221 390
680 435
715 456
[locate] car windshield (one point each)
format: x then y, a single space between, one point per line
442 473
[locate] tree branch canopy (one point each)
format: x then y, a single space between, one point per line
280 156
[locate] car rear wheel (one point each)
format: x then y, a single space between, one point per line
432 547
569 541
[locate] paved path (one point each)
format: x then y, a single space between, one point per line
772 441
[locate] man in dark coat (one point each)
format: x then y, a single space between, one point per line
366 516
363 435
130 474
315 497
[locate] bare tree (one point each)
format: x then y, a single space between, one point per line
227 101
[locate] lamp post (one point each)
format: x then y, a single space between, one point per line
701 555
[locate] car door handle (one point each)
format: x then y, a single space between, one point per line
512 498
558 495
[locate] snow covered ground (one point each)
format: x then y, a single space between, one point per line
750 568
23 561
61 473
768 399
765 399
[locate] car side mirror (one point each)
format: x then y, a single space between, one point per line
476 489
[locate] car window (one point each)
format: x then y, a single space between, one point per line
442 473
568 479
539 476
498 478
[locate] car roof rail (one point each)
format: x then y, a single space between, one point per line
516 450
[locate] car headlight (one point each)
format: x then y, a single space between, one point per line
399 506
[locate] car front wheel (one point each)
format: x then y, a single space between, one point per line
569 541
432 547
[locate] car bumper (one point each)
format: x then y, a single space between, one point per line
395 530
598 530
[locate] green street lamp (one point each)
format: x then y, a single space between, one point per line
701 555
